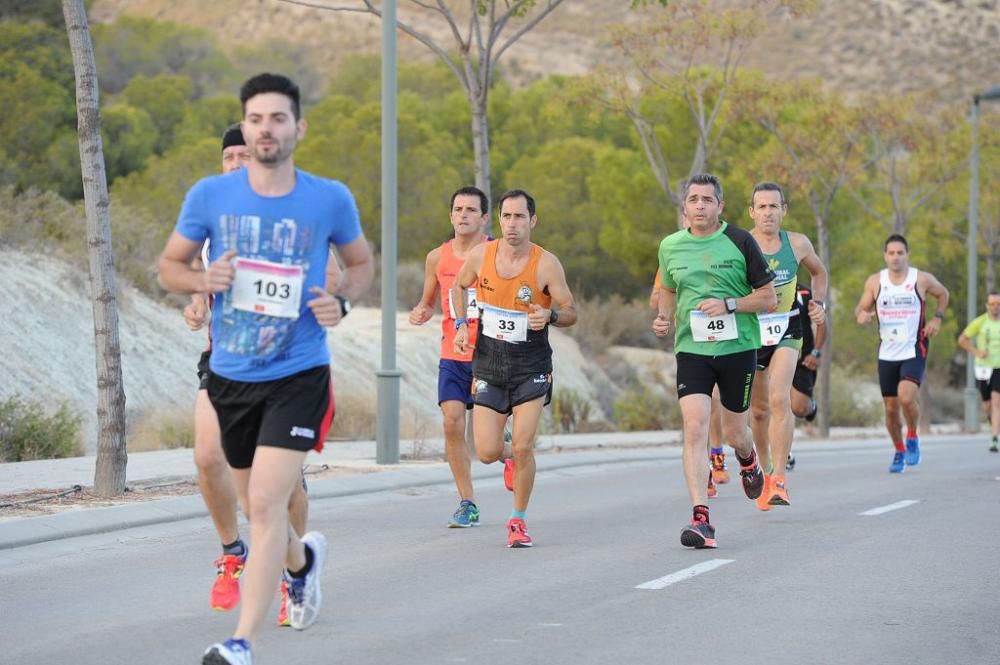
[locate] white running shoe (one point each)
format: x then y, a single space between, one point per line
230 652
304 595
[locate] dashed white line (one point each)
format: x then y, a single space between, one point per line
687 573
892 506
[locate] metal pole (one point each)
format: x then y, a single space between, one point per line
971 394
387 437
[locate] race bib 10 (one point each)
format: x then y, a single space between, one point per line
772 327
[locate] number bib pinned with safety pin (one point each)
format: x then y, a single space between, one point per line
506 325
706 328
772 327
471 307
270 289
892 332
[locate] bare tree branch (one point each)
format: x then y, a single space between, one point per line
553 4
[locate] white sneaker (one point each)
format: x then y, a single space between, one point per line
304 595
230 652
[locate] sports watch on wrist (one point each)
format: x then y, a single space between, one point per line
939 315
815 353
345 305
461 322
730 305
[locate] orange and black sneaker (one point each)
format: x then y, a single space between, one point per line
508 474
762 500
753 477
283 609
778 493
226 588
712 491
517 533
699 534
720 474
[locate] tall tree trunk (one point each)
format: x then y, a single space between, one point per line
481 145
109 476
826 357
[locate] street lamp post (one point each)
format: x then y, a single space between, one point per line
972 302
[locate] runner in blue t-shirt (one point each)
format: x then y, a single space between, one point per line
270 228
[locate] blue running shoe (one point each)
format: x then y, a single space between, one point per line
897 463
912 451
467 515
230 652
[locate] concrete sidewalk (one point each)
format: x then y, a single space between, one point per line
555 452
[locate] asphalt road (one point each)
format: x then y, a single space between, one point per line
817 582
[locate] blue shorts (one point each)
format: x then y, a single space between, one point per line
455 381
892 372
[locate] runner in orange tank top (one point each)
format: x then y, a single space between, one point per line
469 214
522 290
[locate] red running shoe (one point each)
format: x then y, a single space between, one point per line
517 533
226 588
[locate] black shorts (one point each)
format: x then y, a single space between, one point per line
503 399
294 412
992 385
203 369
733 373
891 372
804 380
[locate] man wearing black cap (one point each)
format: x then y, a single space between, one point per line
214 480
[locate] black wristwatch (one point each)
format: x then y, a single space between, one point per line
730 305
939 315
815 353
345 305
820 303
553 316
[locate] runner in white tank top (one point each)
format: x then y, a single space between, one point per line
898 294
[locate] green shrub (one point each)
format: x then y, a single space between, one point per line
27 432
642 409
569 409
849 407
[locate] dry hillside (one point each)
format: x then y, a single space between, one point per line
47 353
949 47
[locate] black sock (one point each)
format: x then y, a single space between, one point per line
748 461
235 548
305 569
701 514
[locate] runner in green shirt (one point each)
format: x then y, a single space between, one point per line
713 279
982 339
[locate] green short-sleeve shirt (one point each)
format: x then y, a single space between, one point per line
986 333
726 264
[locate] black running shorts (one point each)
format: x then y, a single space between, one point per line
804 380
204 370
891 372
503 399
991 385
294 412
733 373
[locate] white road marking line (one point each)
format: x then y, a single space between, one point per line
550 625
687 573
892 506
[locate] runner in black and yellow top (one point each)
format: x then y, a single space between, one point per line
714 281
781 336
982 339
522 290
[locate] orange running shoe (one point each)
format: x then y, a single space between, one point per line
283 610
719 472
777 492
762 500
508 473
517 533
712 491
226 588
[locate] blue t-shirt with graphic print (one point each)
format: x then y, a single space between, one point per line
294 230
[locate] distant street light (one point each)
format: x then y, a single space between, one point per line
972 305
